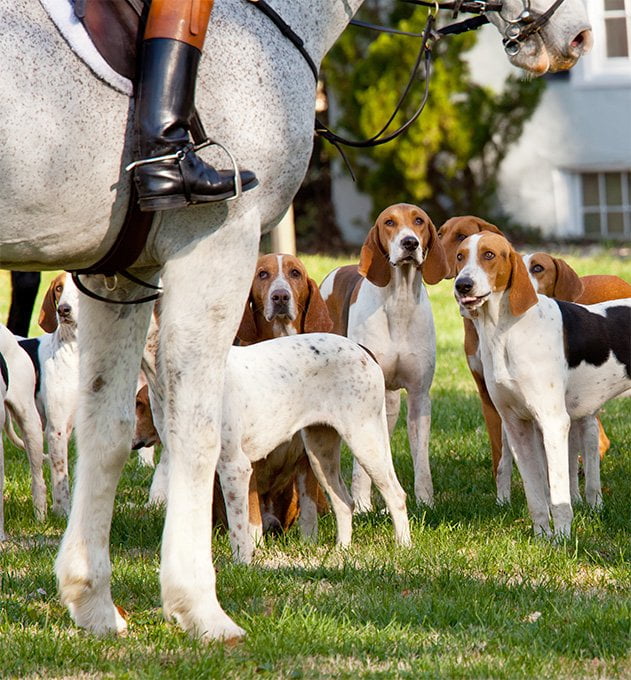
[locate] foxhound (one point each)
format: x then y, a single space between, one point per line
284 301
383 305
319 385
545 362
55 358
17 404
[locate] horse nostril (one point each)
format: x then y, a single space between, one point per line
464 285
582 42
409 243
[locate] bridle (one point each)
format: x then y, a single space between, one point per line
517 31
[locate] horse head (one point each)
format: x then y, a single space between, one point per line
542 36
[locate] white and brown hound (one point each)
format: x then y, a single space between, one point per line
318 385
17 404
55 358
324 386
545 362
382 304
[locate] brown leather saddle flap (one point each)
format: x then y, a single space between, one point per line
115 29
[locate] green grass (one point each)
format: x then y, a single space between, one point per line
475 597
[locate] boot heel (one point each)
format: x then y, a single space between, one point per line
152 204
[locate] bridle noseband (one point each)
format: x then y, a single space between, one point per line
525 26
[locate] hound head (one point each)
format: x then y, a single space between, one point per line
455 230
553 277
145 433
60 305
487 264
402 235
283 301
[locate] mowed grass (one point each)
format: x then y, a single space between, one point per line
476 596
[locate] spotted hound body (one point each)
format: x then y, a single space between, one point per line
383 305
545 362
55 358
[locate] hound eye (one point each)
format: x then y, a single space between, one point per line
489 255
460 237
59 289
295 274
460 257
263 274
389 223
537 269
418 220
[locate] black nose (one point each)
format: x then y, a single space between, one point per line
464 285
409 243
64 309
280 296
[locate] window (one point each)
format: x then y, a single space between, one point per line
610 59
605 204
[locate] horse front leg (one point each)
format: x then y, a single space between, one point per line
205 291
111 339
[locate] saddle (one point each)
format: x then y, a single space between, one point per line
115 29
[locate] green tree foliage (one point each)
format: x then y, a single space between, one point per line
448 160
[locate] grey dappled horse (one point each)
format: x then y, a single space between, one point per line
66 139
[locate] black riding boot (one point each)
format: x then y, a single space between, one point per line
165 104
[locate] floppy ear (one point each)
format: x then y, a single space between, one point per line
374 263
487 226
435 265
316 318
48 313
522 295
567 286
248 333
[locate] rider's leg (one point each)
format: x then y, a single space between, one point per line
165 103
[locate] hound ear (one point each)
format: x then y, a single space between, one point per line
248 332
435 265
567 286
522 295
487 226
48 313
374 263
317 318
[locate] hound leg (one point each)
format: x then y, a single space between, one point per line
308 491
419 422
322 445
555 431
235 470
522 440
575 445
504 471
371 445
360 483
57 439
493 423
204 295
29 422
591 460
105 423
159 482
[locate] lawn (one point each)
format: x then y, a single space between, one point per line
475 597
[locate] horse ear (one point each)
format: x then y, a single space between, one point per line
522 295
435 265
317 318
567 286
373 260
248 332
48 313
